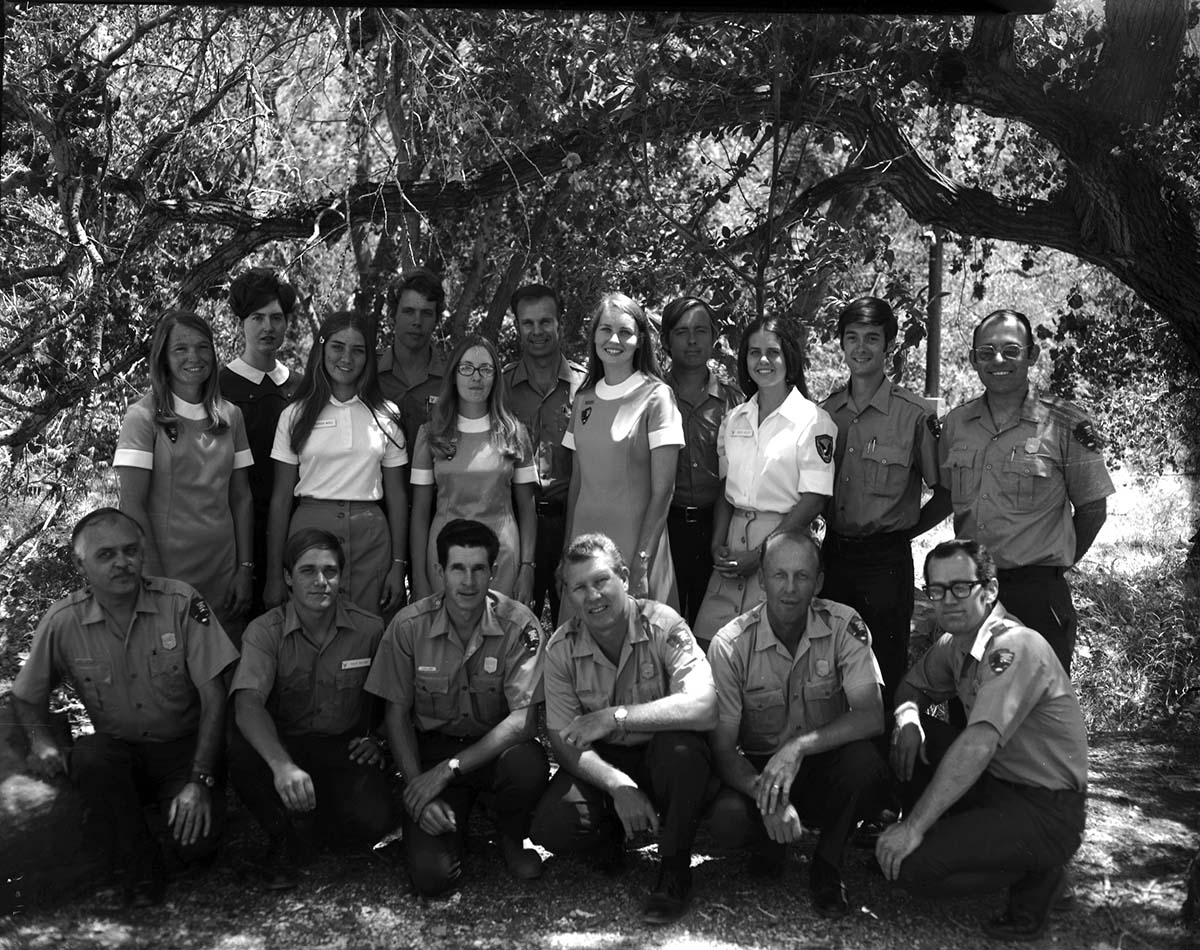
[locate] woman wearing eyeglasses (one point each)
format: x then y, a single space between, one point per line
479 458
339 451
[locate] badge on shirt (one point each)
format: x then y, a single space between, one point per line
825 448
858 630
1086 435
356 664
532 638
1032 444
647 671
168 640
490 664
198 610
822 667
1000 660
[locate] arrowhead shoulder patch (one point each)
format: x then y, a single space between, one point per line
858 629
1088 436
935 425
680 638
1000 660
531 637
198 610
825 448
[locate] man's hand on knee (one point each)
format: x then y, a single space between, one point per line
437 818
635 810
894 845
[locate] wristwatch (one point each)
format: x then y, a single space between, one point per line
454 765
200 777
620 714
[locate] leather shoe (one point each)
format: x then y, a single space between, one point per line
768 862
524 863
669 899
1030 902
827 890
610 851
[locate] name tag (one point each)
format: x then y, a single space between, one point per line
741 432
426 669
356 664
325 424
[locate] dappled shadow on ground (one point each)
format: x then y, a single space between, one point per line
1144 821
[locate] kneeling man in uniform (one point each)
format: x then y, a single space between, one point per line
462 675
1001 803
303 742
798 699
628 698
145 655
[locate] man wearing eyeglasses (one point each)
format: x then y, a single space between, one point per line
1026 477
1006 804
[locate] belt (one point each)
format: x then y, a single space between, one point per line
692 514
551 509
1031 572
352 506
882 538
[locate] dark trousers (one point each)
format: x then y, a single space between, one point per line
551 528
690 533
833 791
994 835
1040 597
510 784
673 770
874 575
117 779
354 805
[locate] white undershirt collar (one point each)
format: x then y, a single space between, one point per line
188 410
279 375
606 391
482 424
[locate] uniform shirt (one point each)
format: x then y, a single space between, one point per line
1014 489
659 657
546 418
771 695
885 449
415 397
697 475
310 688
343 458
261 397
768 465
1008 676
140 684
460 691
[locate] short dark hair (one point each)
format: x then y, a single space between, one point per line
256 288
801 536
467 534
790 341
99 516
587 546
674 311
535 292
423 281
305 540
1004 315
870 310
985 566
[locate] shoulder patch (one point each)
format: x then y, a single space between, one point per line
198 610
680 638
858 630
1000 660
531 637
585 415
934 424
825 448
1088 436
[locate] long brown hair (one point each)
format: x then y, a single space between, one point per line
215 406
442 427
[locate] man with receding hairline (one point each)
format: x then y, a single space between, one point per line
145 654
1027 478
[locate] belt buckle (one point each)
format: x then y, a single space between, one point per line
691 515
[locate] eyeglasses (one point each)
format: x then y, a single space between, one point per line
1010 351
960 589
486 370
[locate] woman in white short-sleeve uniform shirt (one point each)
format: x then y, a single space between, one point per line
480 459
626 432
183 458
775 453
339 449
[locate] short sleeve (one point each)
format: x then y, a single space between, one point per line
1013 680
926 449
728 676
281 448
568 439
1086 474
933 674
815 455
682 657
663 420
209 650
259 661
135 444
523 664
395 450
562 702
422 459
856 661
38 674
523 469
722 458
391 675
243 457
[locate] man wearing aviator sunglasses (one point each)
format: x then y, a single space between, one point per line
1006 804
1027 477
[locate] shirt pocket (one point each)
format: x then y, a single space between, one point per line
592 699
93 680
1027 481
487 698
348 685
764 716
292 695
169 677
822 701
886 469
433 698
961 464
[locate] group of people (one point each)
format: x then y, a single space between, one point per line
728 568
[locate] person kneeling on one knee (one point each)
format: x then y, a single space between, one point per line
304 740
798 694
462 675
1006 804
628 694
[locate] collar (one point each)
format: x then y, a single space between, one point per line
292 624
188 410
635 632
794 408
488 625
1031 407
987 630
482 424
385 362
881 399
338 404
712 385
94 613
816 626
279 375
521 374
605 391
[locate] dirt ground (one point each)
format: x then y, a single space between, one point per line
1143 826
